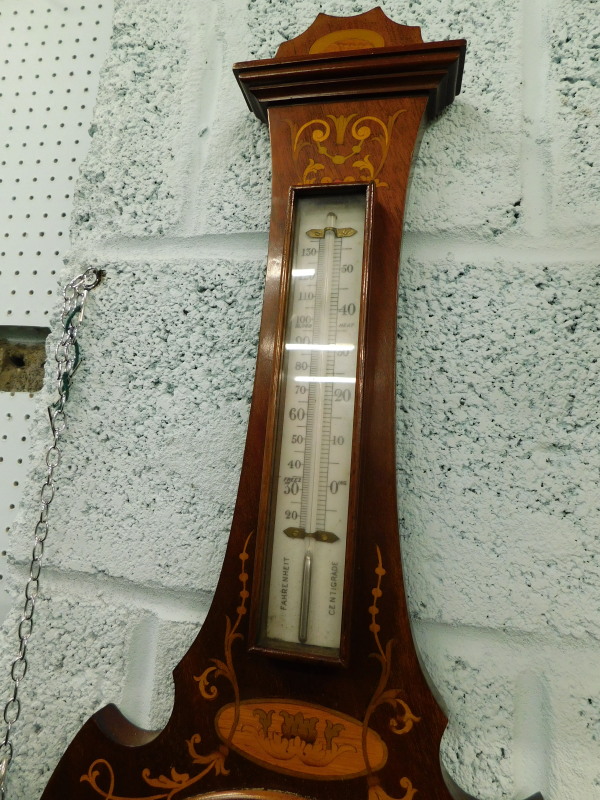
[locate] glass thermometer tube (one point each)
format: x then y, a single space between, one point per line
313 502
311 480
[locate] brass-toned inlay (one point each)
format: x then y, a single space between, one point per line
100 774
319 233
403 719
332 144
302 739
286 736
318 536
377 792
349 39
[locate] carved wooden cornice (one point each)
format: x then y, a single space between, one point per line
432 69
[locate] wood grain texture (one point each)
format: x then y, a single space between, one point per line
432 70
246 725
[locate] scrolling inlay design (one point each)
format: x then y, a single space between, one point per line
403 719
286 736
365 131
215 760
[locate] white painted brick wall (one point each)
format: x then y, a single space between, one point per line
498 437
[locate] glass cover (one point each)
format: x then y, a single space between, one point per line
310 486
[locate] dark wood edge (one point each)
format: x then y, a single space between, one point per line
353 70
436 86
374 53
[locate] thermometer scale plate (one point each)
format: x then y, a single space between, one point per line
307 509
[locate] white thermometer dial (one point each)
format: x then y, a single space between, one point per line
311 480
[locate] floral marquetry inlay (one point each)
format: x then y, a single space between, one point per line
342 148
302 739
286 736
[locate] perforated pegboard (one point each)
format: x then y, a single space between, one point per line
51 55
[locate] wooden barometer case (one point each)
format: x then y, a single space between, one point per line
304 681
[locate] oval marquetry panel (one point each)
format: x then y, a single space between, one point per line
301 739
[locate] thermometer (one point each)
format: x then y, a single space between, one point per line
310 493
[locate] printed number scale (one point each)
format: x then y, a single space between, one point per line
304 681
311 480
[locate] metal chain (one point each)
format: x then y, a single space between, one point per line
67 360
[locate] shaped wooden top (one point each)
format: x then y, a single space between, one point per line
347 58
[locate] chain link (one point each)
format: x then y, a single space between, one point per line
67 360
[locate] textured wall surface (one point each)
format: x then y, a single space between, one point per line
498 392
